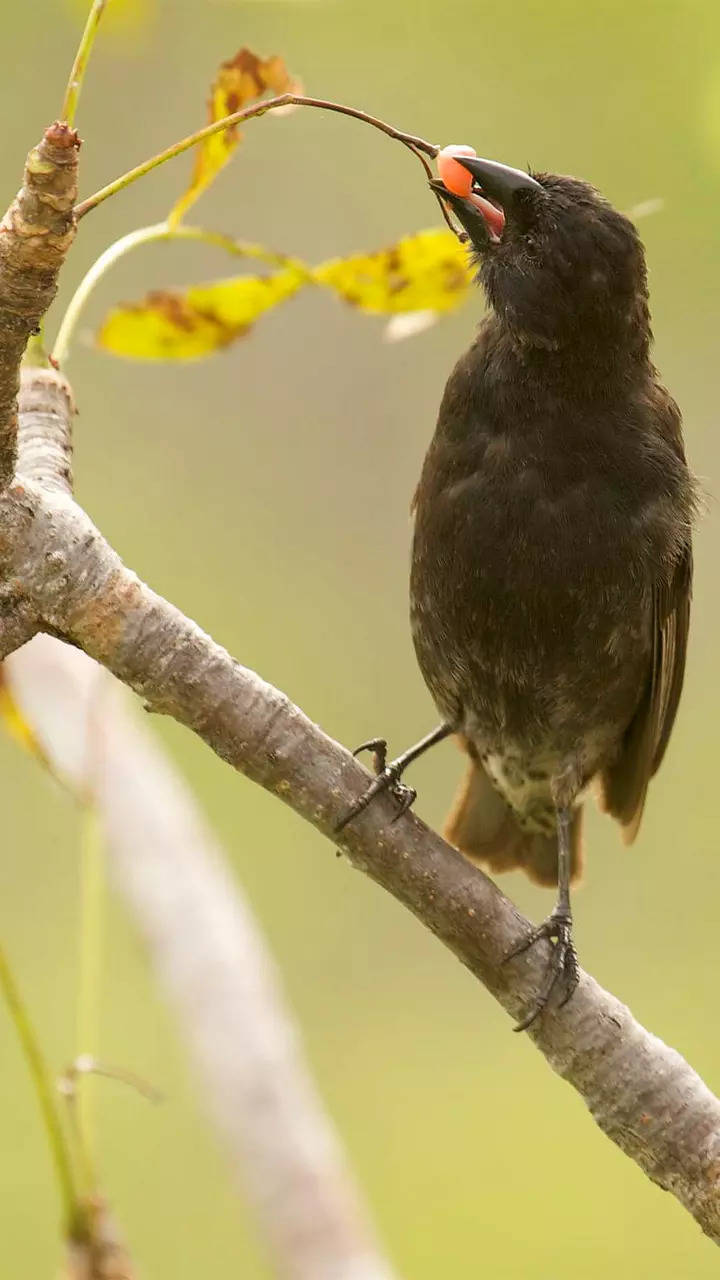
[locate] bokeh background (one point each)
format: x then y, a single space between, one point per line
266 491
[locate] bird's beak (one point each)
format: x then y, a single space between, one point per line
498 181
483 220
483 212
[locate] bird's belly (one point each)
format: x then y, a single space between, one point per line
532 782
526 785
525 645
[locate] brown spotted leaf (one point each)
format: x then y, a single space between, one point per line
414 281
429 271
191 323
240 81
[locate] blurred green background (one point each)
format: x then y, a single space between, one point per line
266 491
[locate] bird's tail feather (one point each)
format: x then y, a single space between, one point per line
483 827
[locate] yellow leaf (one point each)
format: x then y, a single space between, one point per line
238 82
191 323
416 280
428 271
17 726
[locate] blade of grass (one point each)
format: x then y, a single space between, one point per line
44 1092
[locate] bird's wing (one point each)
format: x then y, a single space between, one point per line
624 784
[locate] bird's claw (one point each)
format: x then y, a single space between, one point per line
563 970
378 747
387 779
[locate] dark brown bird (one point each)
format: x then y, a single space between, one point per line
551 563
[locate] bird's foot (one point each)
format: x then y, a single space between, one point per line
387 779
563 970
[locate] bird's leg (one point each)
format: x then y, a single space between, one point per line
563 970
388 775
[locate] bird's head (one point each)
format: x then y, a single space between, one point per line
558 264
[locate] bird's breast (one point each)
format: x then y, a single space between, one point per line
530 603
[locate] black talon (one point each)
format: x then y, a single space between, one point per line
562 970
378 746
406 796
388 779
388 775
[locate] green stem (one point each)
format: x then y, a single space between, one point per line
35 355
40 1077
79 67
146 235
92 884
248 113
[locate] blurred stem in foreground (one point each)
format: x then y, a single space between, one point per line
214 968
39 1074
79 67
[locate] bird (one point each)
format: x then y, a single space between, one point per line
551 566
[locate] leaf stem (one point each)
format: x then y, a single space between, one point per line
77 74
40 1077
248 113
146 235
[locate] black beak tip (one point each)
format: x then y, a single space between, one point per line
467 162
497 180
438 186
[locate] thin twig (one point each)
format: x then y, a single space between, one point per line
44 1092
414 144
79 67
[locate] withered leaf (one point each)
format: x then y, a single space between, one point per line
191 323
428 271
238 82
415 281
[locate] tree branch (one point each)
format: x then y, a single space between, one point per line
35 236
45 429
641 1093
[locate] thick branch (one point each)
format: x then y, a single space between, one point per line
640 1092
46 412
213 963
35 235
